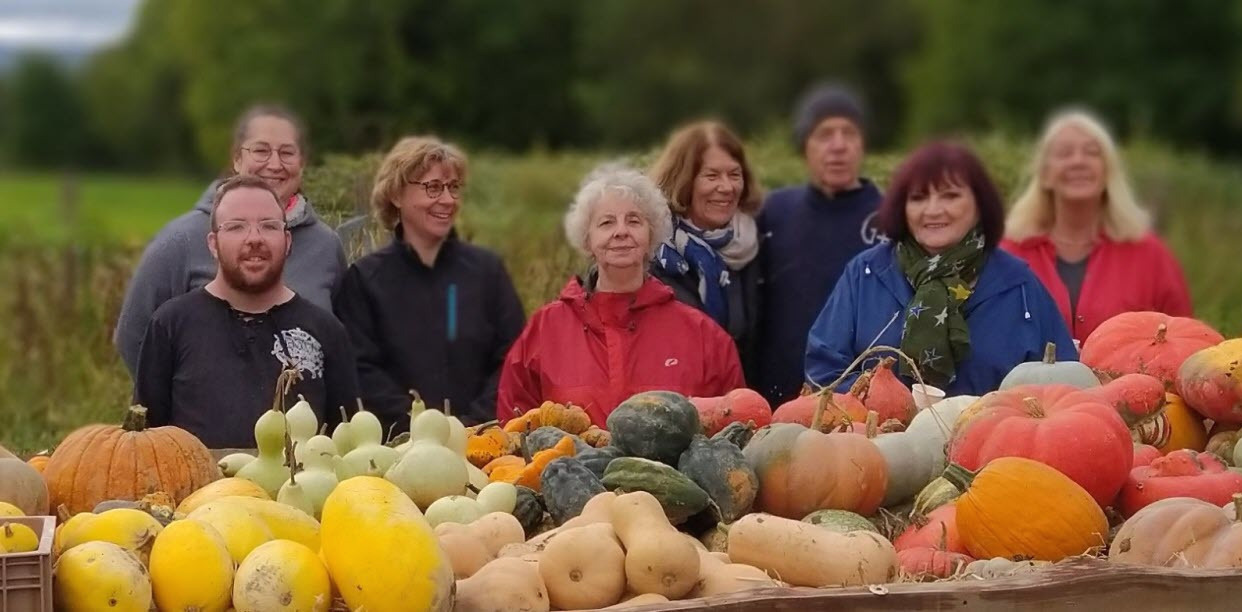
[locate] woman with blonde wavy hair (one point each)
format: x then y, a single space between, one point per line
1079 227
429 312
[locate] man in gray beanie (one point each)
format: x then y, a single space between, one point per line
810 231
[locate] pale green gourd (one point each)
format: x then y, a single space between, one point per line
293 495
478 480
457 436
497 497
231 464
343 436
454 509
302 421
318 476
268 469
271 436
430 426
369 457
428 472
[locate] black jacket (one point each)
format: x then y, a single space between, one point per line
744 305
442 330
212 370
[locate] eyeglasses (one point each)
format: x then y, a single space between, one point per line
240 229
262 153
435 189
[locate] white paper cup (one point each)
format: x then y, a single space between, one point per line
925 395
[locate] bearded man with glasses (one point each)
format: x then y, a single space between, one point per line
210 358
429 312
270 143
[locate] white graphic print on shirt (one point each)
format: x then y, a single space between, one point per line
307 352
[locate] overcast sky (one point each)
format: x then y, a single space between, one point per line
63 24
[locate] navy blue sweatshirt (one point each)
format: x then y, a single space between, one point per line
442 330
806 240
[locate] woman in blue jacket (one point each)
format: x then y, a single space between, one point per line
966 311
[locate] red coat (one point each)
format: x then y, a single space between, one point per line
596 350
1120 277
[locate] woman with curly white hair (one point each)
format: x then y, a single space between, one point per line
1078 226
618 331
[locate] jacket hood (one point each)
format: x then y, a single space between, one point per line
301 214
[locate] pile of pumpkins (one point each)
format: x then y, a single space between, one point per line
549 512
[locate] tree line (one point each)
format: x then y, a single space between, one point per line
554 74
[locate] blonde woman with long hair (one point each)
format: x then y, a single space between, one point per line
1079 227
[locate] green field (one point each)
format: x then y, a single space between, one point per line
64 268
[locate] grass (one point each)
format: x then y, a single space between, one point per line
65 269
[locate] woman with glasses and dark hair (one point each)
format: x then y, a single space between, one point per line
429 312
964 310
268 142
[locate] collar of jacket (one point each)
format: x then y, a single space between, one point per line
577 293
411 255
1000 273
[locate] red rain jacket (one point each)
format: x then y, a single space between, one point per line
598 349
1121 277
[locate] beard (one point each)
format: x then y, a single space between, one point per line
234 274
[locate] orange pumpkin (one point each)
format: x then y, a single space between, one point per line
1181 532
39 462
1186 429
880 390
97 463
1145 343
842 410
482 447
801 470
1208 382
1020 508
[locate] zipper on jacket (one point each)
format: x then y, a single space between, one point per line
452 312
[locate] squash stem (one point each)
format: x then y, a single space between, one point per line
1161 331
873 423
135 419
1050 353
958 476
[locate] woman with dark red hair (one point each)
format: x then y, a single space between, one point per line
966 311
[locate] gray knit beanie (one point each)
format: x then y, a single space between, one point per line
824 101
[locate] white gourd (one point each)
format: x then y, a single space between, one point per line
917 455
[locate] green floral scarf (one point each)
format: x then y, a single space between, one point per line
936 335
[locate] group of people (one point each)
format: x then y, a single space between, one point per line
697 283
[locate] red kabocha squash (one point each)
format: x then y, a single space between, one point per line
1185 427
1145 343
1208 382
103 462
928 563
801 470
1058 425
1137 397
842 409
1183 473
936 530
1181 532
1144 454
736 406
881 391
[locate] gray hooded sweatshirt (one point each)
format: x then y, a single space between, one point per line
177 261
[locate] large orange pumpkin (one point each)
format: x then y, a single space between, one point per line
1059 425
801 470
1145 343
1022 509
1208 382
1181 532
97 463
1186 429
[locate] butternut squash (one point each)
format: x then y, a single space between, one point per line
465 552
598 509
584 568
657 558
803 554
506 584
496 530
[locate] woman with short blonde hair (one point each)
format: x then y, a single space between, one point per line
429 312
619 331
1080 228
710 259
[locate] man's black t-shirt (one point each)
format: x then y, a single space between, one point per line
212 370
